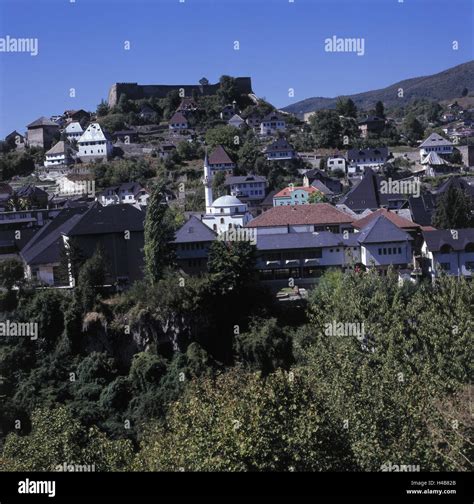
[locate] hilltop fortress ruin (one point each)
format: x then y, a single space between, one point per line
136 91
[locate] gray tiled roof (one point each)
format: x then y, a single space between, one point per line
244 179
367 194
380 230
304 240
194 230
322 187
109 219
357 154
458 183
42 121
436 239
279 145
45 246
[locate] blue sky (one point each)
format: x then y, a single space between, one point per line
81 46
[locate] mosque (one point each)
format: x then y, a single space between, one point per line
224 213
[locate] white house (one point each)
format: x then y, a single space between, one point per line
250 187
73 131
129 192
236 121
359 159
435 165
435 143
59 154
279 150
178 122
76 184
383 244
94 143
449 251
272 124
336 163
219 160
226 212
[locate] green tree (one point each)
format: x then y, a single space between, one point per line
11 273
326 128
218 184
413 129
57 438
317 197
227 136
231 264
113 122
380 109
171 103
14 163
187 150
346 107
102 109
453 210
92 276
389 379
159 232
146 371
240 422
455 157
265 347
228 90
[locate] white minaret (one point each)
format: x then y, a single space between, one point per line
207 181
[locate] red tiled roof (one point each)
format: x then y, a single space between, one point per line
400 222
316 214
285 193
219 156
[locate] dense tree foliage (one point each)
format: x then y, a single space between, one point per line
159 232
14 163
453 210
346 107
244 388
326 128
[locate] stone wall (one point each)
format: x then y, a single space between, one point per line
136 91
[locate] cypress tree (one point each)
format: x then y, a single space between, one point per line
159 231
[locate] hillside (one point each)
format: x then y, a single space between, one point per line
444 85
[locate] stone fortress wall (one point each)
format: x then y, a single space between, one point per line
136 91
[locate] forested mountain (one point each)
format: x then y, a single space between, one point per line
445 85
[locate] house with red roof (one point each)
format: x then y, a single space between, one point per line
294 195
399 221
302 218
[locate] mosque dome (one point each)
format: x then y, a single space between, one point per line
227 201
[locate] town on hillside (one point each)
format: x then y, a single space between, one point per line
236 237
338 188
